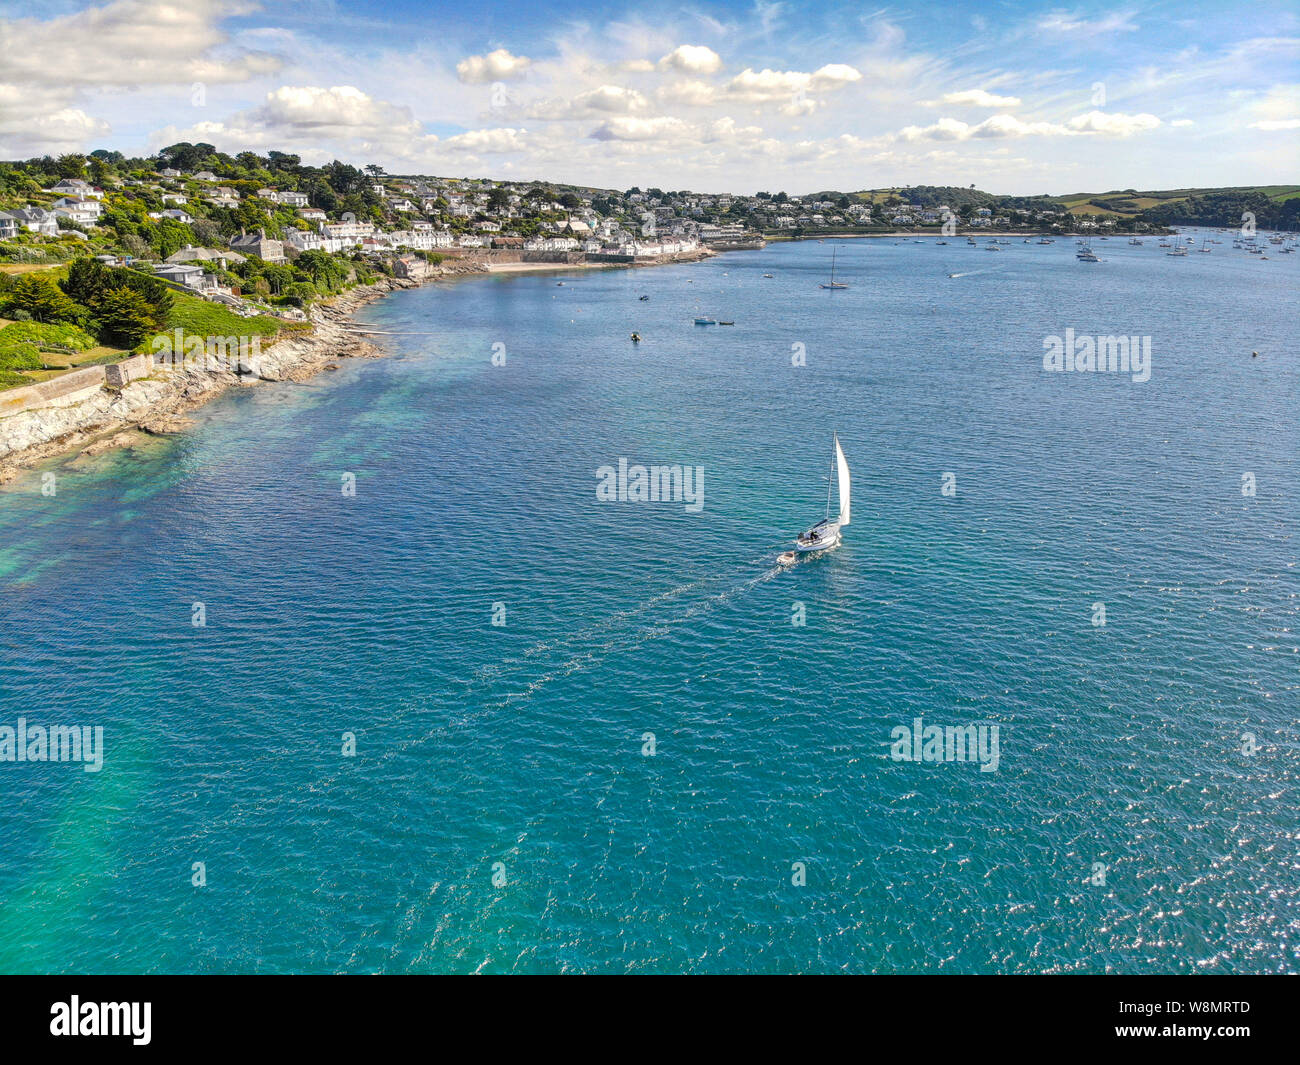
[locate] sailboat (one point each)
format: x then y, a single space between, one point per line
826 533
833 282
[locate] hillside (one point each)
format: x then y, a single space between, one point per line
1274 206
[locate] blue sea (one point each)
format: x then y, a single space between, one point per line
447 711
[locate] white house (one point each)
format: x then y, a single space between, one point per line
36 220
352 232
83 212
77 188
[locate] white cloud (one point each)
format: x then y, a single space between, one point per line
1276 109
341 109
690 93
975 98
62 130
1004 126
1073 24
1114 124
314 121
692 59
489 141
495 66
997 126
1179 122
627 128
766 85
129 43
612 98
833 76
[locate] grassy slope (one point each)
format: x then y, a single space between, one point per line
192 315
1083 202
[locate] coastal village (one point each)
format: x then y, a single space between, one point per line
198 226
102 258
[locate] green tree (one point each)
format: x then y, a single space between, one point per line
41 298
126 317
72 165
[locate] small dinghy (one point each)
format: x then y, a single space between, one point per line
786 558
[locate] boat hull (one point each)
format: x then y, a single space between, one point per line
823 543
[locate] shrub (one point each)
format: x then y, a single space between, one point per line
46 337
19 356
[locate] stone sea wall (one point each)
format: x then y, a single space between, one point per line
76 409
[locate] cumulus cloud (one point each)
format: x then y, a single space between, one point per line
310 119
629 128
23 133
130 43
974 98
691 93
495 66
612 98
335 111
692 59
833 76
951 129
489 141
1114 124
1007 126
766 85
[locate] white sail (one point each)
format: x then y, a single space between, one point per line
842 470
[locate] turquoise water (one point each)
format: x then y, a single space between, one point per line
1121 751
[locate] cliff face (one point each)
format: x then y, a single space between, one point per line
157 402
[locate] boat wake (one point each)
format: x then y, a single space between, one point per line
528 673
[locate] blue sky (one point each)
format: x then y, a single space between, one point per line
1020 98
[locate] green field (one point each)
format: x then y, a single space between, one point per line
1085 203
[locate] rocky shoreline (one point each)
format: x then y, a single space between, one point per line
158 404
